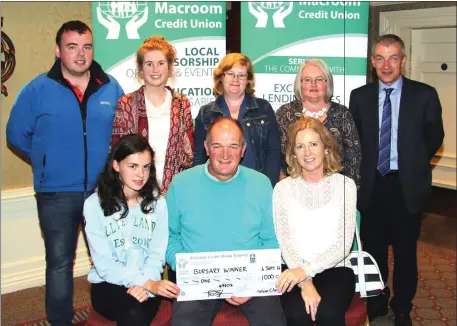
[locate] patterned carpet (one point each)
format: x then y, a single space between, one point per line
434 304
435 301
79 319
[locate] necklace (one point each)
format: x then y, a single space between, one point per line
314 115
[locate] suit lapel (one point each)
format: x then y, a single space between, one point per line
372 107
404 114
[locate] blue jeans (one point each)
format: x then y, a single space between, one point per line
60 214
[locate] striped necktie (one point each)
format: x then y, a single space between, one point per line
385 137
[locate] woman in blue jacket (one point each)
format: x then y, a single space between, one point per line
234 85
126 223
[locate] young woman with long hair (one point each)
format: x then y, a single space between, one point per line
126 224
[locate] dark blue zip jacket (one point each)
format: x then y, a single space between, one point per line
260 122
66 141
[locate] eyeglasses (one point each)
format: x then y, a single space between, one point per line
231 75
392 59
309 80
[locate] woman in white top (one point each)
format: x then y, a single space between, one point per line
157 112
315 216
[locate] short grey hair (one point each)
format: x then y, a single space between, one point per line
220 120
387 40
327 75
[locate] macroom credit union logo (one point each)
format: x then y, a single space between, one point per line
263 9
128 14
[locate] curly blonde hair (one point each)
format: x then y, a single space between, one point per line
226 64
332 160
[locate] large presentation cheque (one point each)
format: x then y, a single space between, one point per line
222 274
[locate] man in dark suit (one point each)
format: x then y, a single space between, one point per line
401 128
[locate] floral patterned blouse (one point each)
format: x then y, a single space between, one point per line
339 122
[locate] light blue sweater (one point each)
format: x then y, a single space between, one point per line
207 215
129 251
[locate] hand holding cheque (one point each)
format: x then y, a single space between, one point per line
219 275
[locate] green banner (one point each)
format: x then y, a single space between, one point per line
335 31
196 30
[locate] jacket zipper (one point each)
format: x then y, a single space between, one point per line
85 154
92 88
83 111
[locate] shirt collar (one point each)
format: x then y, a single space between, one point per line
249 101
215 179
397 85
224 104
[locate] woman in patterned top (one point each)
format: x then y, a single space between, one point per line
157 112
313 90
315 216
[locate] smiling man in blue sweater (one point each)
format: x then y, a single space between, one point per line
61 122
222 206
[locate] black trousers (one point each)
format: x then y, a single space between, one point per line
112 302
336 286
259 311
386 221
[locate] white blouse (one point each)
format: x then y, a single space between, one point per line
159 130
315 222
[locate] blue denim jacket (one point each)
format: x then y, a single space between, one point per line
260 122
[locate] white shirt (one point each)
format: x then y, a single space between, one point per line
159 130
315 222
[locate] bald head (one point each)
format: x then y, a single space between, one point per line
224 124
